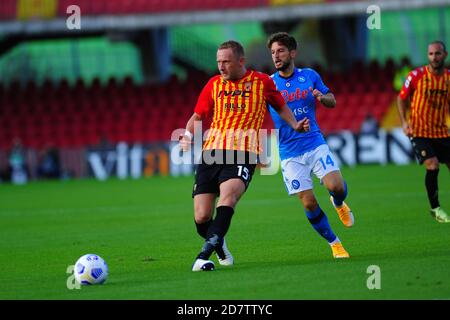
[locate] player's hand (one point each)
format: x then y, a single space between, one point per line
185 143
316 93
302 125
407 129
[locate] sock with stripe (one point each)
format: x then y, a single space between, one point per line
339 198
319 222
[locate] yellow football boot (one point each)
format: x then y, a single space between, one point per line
338 251
345 214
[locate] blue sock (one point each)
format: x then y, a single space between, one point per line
339 198
319 221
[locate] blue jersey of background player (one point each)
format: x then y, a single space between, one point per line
305 153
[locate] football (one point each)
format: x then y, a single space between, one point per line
91 269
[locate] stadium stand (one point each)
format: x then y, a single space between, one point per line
9 9
362 91
80 115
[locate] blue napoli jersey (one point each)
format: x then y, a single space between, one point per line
296 93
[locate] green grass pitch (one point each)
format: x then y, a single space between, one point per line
144 229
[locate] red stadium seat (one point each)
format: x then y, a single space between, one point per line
101 7
8 9
124 111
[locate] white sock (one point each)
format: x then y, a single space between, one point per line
335 241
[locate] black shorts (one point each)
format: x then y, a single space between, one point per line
426 148
230 165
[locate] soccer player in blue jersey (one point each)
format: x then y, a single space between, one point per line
305 153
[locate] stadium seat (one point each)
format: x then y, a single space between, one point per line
8 9
129 112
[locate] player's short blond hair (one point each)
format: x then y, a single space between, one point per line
236 47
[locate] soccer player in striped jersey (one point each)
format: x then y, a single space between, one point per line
305 153
238 100
426 93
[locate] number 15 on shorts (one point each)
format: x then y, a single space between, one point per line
243 172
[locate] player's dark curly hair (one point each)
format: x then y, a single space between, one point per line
284 39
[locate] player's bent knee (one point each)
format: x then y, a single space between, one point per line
432 164
202 218
337 189
309 201
311 207
202 213
229 199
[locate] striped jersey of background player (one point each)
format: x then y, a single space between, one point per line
426 92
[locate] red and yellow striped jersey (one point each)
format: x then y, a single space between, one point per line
430 99
238 110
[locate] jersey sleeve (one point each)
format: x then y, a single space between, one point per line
318 82
271 94
409 85
205 102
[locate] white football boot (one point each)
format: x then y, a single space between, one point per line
203 265
224 255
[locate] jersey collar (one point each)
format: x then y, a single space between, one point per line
291 76
245 76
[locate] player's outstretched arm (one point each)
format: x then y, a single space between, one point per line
328 100
186 139
286 114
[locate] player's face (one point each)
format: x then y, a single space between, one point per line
229 65
436 56
281 56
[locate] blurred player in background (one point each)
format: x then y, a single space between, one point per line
426 92
401 74
237 97
305 153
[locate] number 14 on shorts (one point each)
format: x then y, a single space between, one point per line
328 161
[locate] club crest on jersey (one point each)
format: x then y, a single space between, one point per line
301 79
247 86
